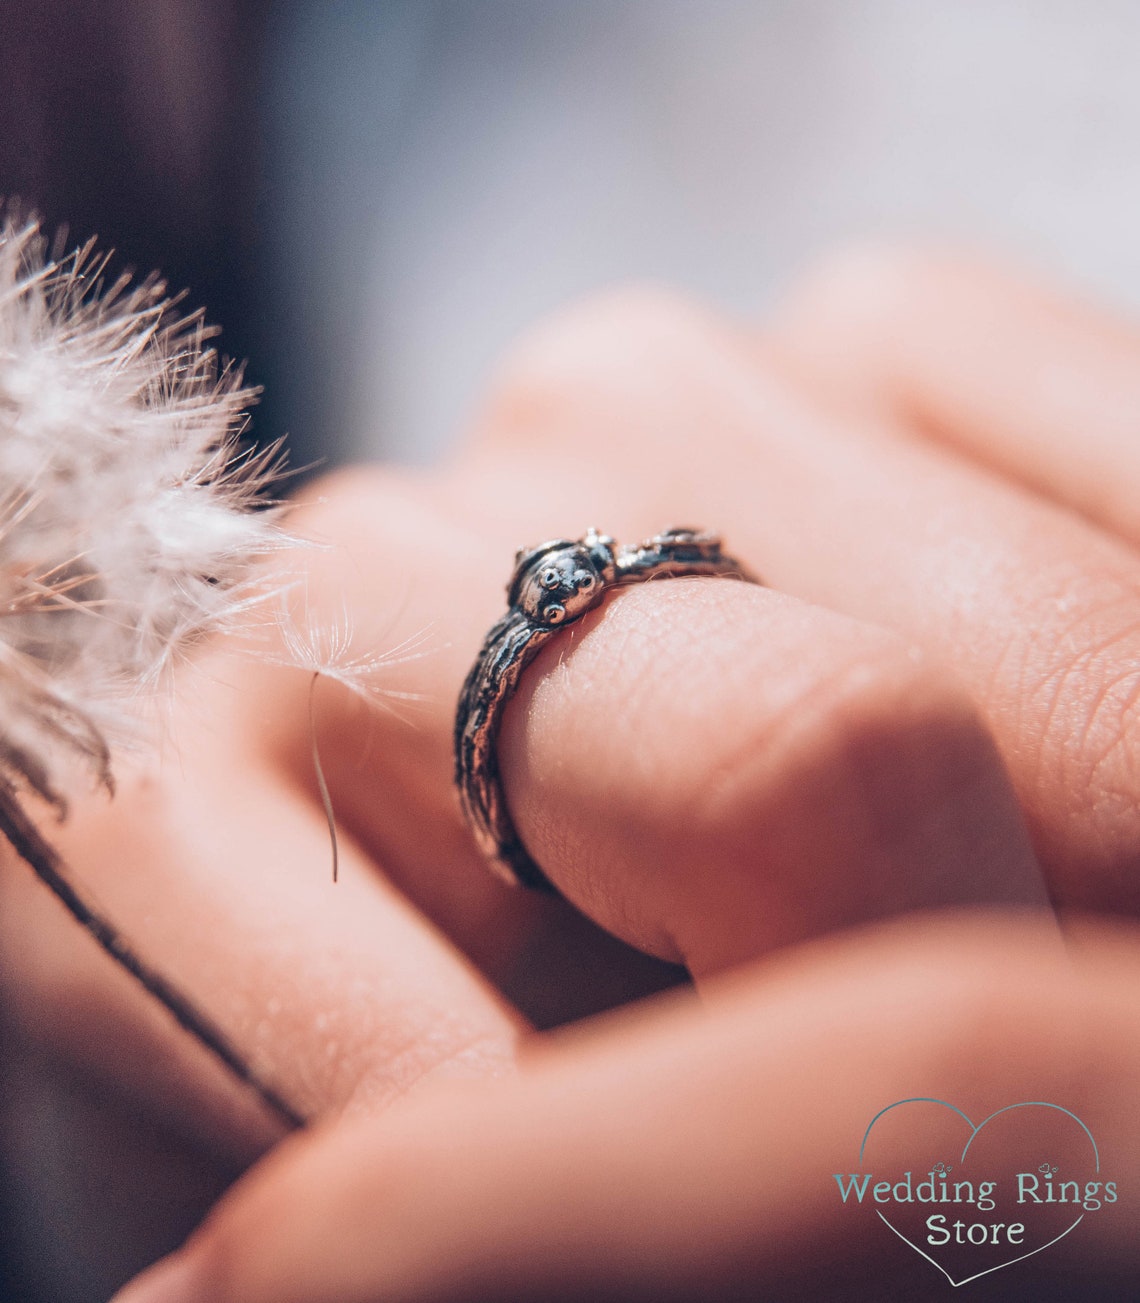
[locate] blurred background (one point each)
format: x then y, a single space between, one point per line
371 199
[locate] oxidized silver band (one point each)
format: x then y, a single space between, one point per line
552 585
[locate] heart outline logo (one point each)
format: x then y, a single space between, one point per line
974 1130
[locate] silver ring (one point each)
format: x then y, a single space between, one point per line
552 586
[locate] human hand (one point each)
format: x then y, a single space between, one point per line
816 771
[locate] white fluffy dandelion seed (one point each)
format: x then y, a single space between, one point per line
327 650
126 521
127 531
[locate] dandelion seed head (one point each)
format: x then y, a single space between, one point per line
128 520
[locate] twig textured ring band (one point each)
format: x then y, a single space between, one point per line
553 585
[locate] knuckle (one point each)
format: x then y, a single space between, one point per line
606 342
853 316
362 506
864 282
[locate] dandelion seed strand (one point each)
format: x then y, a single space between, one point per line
326 799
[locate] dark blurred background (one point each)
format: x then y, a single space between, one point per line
372 198
139 121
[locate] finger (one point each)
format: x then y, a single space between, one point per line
711 770
213 861
117 1129
1044 388
1038 613
412 594
219 874
684 1154
706 768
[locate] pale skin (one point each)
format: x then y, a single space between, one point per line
844 803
